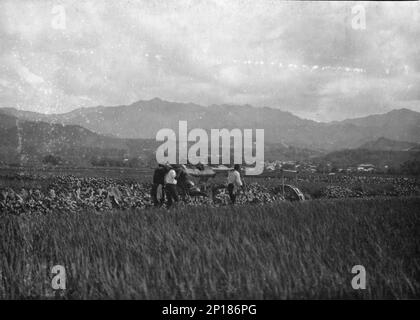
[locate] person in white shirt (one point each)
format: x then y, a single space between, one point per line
170 177
234 182
170 187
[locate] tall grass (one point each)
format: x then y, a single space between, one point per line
277 251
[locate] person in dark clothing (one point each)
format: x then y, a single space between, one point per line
171 194
232 193
184 182
159 184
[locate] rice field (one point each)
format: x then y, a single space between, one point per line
279 250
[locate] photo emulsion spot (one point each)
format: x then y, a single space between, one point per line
211 155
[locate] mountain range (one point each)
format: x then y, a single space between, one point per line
143 119
129 131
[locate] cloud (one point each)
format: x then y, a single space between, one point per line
302 57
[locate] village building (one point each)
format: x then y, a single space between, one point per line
366 167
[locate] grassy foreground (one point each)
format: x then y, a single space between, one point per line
276 251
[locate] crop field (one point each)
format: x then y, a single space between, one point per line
101 226
280 250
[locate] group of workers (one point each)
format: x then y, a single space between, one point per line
169 180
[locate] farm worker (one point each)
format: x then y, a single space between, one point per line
170 187
234 182
184 181
158 192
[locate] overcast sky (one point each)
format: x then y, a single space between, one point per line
304 57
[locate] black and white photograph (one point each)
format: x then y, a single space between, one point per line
217 151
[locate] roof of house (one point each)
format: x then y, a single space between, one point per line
366 165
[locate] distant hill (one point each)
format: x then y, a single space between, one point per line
143 119
401 125
27 142
385 144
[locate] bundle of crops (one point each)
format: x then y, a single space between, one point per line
338 192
